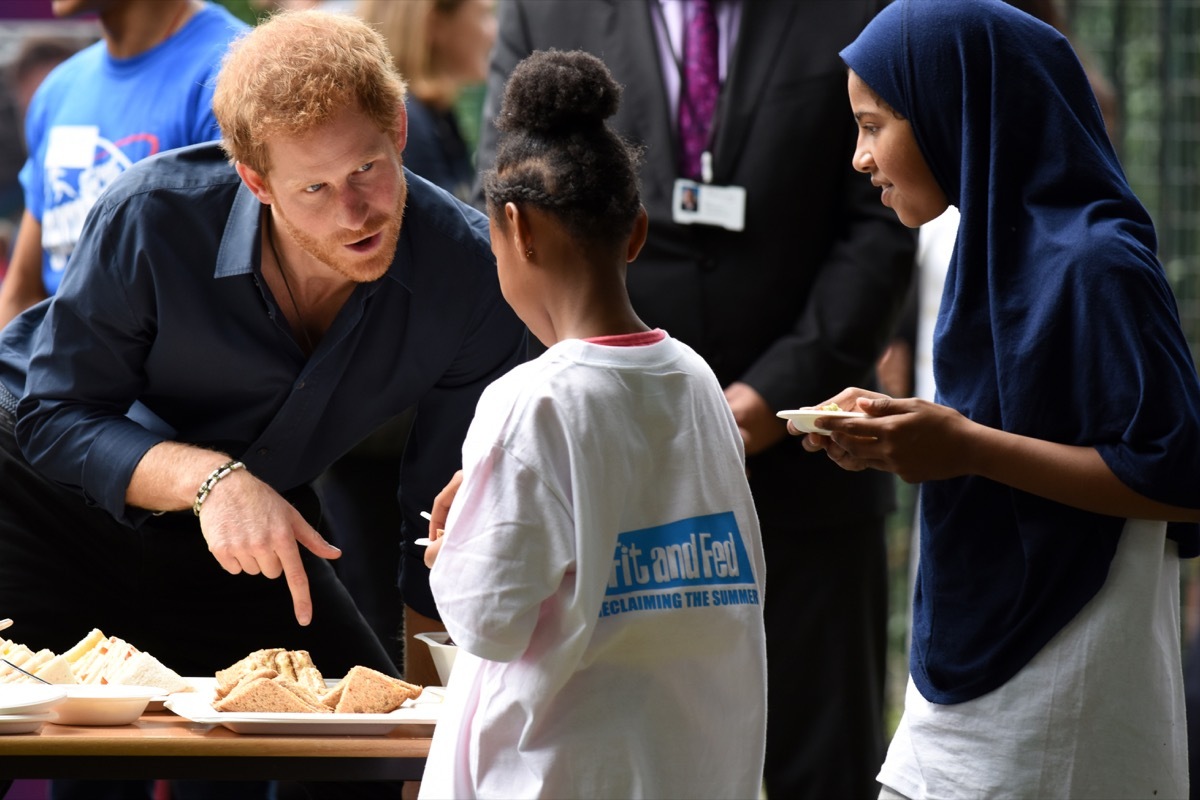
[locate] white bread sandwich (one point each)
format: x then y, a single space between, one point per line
100 659
143 669
57 670
85 646
103 660
18 655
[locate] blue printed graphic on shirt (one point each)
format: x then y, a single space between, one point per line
79 165
96 115
695 562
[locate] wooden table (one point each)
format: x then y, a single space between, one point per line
162 745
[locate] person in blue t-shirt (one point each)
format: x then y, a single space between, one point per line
144 88
1059 461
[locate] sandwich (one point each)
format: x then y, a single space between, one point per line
103 660
281 680
56 670
18 655
264 689
367 691
85 646
143 669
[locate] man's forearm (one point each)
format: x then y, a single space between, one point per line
169 475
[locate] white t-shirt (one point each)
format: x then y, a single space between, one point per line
1098 713
603 578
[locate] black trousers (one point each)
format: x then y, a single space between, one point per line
826 623
67 567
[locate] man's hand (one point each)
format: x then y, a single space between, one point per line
757 423
250 528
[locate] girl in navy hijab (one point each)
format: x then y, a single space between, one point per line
1060 463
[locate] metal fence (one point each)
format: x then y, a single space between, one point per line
1150 51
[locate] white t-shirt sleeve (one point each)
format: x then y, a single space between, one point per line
509 545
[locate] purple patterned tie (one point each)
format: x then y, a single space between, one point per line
701 82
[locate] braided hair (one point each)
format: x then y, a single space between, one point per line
557 153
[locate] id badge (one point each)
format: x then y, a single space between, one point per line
695 203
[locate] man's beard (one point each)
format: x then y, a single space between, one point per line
336 257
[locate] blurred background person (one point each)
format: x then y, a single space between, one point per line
440 47
144 88
784 302
34 58
332 6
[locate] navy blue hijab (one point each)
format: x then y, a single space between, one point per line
1056 322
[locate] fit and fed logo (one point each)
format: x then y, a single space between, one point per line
702 559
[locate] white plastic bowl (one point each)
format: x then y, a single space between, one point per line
108 704
443 653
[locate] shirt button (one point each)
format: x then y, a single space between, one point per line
262 451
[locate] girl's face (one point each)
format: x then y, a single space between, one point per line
888 152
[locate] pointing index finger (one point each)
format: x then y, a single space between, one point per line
297 580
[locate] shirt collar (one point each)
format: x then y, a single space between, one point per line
240 240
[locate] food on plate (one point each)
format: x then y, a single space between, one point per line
143 669
85 645
367 691
95 659
21 656
264 689
102 660
279 680
56 670
831 407
293 665
114 660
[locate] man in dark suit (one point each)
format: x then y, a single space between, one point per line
788 310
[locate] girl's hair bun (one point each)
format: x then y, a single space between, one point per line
558 92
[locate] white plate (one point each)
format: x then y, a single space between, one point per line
103 704
157 703
197 706
23 723
29 698
805 418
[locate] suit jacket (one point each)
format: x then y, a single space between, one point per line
798 305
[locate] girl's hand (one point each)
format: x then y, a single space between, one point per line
914 439
438 515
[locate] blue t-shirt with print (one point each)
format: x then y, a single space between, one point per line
96 115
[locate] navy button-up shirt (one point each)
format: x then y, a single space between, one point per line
164 329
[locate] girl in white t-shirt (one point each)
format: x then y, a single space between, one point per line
602 570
